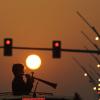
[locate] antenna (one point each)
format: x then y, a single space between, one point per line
94 70
90 41
98 61
92 27
82 67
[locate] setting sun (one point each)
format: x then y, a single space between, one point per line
33 62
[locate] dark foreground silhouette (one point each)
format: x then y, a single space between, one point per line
19 85
77 96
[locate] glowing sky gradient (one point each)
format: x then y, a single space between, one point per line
36 23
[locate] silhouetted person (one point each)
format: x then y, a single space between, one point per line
19 85
77 96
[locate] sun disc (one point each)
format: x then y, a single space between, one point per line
33 62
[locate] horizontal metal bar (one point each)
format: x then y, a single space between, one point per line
81 51
64 50
29 48
1 47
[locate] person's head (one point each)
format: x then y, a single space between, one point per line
18 69
76 95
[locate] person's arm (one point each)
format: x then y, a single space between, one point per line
29 83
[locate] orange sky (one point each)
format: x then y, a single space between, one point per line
36 23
